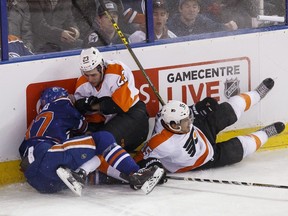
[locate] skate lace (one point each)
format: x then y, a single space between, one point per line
270 131
262 90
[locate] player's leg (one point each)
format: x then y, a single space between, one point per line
118 159
244 101
40 169
130 129
113 159
254 141
229 112
235 149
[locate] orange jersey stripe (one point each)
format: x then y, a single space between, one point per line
114 69
160 138
247 100
122 97
139 156
87 142
153 143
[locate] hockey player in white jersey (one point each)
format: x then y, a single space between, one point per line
185 137
106 94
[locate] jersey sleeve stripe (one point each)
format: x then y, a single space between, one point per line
160 138
122 97
114 69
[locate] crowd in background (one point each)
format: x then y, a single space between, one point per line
57 25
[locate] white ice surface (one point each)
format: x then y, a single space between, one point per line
177 198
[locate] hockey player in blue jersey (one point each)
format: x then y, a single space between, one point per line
57 119
16 47
49 158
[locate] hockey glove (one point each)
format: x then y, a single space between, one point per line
83 105
205 107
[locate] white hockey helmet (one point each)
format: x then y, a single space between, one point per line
91 58
174 111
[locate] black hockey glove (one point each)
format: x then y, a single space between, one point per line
156 162
83 105
205 107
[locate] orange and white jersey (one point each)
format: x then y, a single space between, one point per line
118 83
178 152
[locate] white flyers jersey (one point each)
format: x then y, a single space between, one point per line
178 152
118 83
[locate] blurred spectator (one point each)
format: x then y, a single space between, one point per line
212 9
160 17
19 23
241 11
188 21
103 32
84 14
16 47
134 14
53 26
274 7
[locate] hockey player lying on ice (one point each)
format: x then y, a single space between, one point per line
185 137
49 158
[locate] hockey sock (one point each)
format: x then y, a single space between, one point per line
243 102
110 171
119 159
91 165
252 142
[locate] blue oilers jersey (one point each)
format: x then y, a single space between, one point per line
57 120
17 49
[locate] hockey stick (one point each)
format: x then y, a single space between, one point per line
226 182
126 43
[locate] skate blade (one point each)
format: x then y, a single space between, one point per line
150 184
72 184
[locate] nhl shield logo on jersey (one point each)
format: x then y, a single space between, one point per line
231 87
83 156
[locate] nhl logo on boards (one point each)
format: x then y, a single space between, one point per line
231 87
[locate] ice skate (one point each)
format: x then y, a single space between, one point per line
80 175
146 179
264 87
274 129
67 177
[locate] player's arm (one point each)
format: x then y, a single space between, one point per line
104 105
204 107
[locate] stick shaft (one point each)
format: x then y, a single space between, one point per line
226 182
126 43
